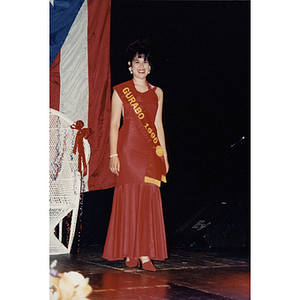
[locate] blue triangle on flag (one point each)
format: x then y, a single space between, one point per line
62 16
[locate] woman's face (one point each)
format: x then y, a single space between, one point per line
140 66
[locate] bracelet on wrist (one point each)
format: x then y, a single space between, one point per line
113 155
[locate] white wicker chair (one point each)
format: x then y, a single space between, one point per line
64 180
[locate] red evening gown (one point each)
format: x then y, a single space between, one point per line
136 226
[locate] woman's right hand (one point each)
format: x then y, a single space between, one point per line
114 165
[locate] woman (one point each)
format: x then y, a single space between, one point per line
138 157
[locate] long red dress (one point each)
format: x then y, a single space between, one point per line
136 226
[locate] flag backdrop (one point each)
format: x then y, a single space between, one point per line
80 85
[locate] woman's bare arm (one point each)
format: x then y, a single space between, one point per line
159 125
116 109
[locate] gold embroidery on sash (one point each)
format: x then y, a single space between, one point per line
136 108
151 133
159 151
152 180
155 181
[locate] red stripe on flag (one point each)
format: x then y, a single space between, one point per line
100 176
55 83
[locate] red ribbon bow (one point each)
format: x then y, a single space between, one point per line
82 133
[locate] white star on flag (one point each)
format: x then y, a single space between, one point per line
52 2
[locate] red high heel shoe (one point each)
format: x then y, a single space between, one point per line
131 262
148 266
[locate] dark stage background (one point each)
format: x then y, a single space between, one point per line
202 63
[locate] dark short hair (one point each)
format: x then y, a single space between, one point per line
140 47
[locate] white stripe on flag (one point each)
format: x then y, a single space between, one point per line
74 84
74 90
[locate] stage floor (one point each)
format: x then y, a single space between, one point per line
187 274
